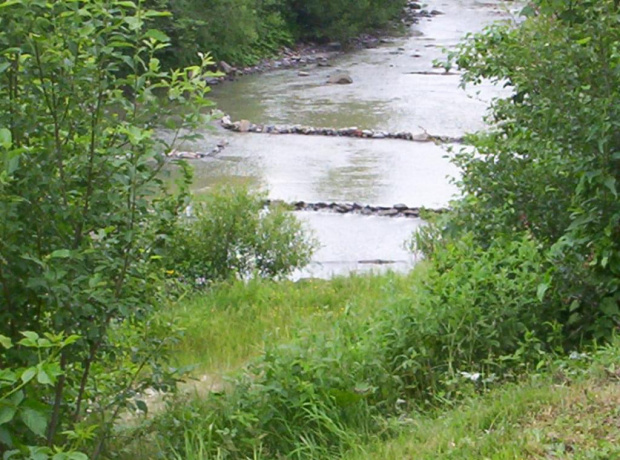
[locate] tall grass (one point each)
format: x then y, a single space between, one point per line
342 362
232 322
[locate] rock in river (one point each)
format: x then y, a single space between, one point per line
244 126
227 68
340 78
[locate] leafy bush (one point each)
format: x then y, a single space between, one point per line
549 163
339 19
234 236
24 419
477 308
226 28
82 202
243 31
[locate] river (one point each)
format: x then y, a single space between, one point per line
395 88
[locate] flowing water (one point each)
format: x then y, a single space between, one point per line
395 88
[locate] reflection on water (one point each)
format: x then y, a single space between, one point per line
316 168
385 93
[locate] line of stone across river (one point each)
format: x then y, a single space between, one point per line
245 126
397 210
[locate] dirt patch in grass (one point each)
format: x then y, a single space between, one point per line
585 424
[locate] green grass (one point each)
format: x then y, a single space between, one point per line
569 409
229 324
553 416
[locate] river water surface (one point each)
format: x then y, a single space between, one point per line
391 91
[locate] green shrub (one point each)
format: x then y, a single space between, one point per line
233 235
243 31
237 31
478 307
550 162
24 419
82 204
326 20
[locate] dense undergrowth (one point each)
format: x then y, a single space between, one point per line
352 375
243 31
524 270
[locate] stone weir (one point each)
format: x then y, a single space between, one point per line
245 126
397 210
191 155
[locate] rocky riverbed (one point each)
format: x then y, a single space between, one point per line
397 210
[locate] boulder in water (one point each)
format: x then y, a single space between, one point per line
340 78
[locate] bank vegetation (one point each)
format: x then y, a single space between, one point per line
109 293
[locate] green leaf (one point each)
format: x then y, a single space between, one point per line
5 137
157 14
7 376
29 374
133 22
33 336
43 378
71 339
5 437
16 398
157 35
60 254
127 4
4 66
34 420
610 183
7 413
141 405
70 456
542 289
5 342
11 3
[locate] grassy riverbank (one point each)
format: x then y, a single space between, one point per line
308 341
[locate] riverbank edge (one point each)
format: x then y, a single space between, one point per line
306 54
